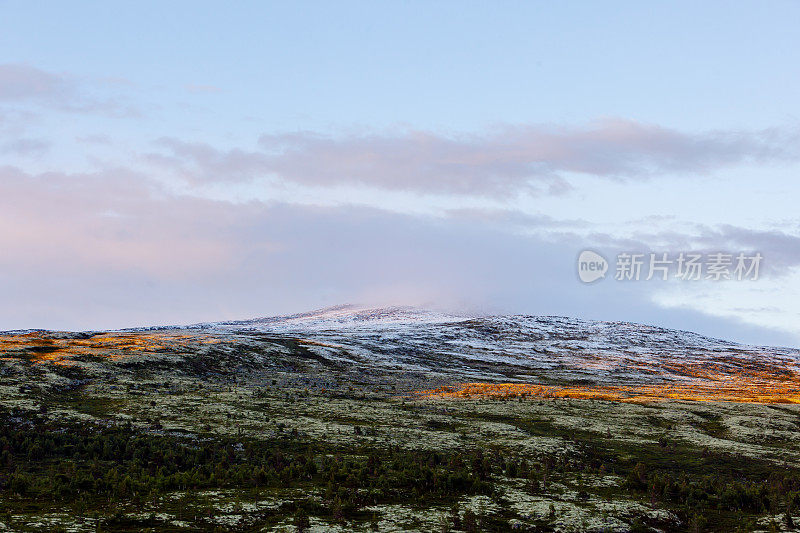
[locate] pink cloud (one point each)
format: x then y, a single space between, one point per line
113 249
503 162
111 220
24 84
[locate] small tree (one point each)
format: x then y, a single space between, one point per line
470 521
301 521
455 517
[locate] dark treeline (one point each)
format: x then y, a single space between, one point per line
93 466
105 468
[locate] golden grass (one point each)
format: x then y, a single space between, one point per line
727 388
53 348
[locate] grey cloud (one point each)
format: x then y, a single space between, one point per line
24 84
202 162
502 162
510 219
202 89
25 147
781 250
517 156
98 138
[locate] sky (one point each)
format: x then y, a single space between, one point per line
179 162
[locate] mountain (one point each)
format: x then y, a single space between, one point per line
444 353
532 350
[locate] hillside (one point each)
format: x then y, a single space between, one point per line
397 419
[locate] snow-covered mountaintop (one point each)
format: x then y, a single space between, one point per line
583 333
439 347
345 316
512 346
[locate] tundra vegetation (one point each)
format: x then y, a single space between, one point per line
186 431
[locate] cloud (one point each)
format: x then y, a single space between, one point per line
35 147
15 123
202 89
499 163
510 219
112 220
780 250
122 251
22 82
201 162
95 139
25 84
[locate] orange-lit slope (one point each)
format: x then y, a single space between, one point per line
61 349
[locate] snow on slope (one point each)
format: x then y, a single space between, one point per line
516 347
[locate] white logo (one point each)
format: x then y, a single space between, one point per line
591 266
